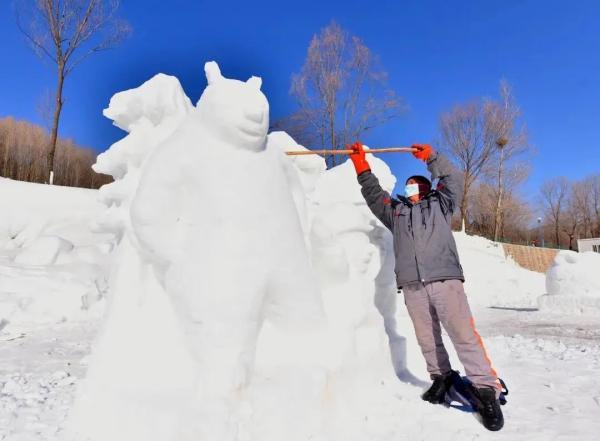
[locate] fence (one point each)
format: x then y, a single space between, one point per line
533 258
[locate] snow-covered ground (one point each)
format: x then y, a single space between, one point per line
166 229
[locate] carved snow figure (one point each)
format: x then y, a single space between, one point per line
353 257
215 212
352 253
138 354
303 173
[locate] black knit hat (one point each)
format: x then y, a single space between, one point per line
420 180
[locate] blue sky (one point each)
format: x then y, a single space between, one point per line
437 53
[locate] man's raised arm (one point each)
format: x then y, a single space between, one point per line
378 200
450 179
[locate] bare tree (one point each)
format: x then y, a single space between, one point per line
581 205
516 213
67 32
484 137
341 92
594 183
585 204
464 137
502 123
574 218
45 108
554 193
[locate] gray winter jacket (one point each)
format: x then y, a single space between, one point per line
423 243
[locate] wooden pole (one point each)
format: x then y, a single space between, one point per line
347 152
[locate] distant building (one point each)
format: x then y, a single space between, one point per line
589 245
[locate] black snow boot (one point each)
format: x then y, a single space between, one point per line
488 406
436 393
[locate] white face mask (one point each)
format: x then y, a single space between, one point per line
411 190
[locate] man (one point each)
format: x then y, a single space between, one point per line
429 273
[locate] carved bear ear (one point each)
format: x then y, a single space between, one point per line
213 73
255 82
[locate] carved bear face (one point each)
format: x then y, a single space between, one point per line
235 111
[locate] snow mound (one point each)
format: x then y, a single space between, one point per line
572 284
494 280
34 210
52 262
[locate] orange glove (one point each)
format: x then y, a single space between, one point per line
358 157
424 151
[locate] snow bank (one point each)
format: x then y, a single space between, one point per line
52 262
494 280
572 284
32 210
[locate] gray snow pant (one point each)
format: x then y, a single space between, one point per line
431 303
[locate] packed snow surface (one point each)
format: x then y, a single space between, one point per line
194 344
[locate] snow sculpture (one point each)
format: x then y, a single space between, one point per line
572 284
215 213
139 372
351 251
217 228
302 173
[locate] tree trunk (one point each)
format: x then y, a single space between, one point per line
6 171
332 129
56 118
557 234
463 204
571 242
497 219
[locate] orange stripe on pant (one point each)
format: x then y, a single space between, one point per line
485 352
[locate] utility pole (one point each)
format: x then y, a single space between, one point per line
540 237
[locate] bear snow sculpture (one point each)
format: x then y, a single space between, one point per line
215 213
